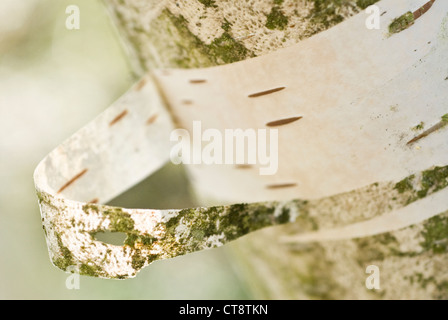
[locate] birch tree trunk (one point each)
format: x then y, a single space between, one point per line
411 256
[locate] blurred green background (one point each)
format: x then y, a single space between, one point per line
53 81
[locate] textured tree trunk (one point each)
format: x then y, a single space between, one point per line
412 257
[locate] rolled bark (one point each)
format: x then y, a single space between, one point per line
205 33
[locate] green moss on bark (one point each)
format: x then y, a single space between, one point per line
276 19
193 52
327 13
401 23
90 270
226 49
363 4
431 181
208 3
65 259
405 184
120 221
435 234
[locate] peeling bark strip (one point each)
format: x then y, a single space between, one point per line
73 180
283 122
118 118
161 234
151 234
264 93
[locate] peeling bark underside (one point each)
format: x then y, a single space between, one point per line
191 34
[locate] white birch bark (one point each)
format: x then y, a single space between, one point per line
364 91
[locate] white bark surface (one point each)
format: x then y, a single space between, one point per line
360 93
